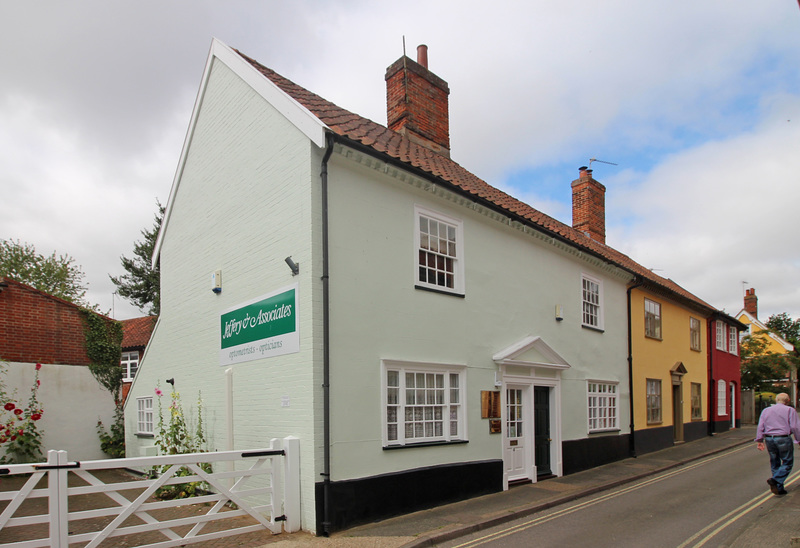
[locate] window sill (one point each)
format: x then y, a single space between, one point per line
441 291
593 328
604 431
424 444
144 435
646 336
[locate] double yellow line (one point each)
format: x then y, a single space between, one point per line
602 498
731 517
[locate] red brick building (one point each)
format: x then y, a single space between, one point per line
135 336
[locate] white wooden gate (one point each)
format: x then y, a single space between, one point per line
263 484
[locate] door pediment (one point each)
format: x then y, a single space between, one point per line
531 351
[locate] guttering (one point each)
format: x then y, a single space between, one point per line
637 282
326 354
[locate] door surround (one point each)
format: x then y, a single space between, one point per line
529 363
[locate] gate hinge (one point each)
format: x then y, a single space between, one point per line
281 518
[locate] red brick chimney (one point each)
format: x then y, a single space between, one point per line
417 102
589 206
751 302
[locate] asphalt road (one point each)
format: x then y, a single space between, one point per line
717 501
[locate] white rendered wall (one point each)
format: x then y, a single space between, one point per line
513 282
73 402
244 204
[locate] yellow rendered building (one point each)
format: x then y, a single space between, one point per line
749 316
669 366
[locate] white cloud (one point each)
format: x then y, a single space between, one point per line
96 99
722 213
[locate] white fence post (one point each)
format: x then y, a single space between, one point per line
58 506
291 484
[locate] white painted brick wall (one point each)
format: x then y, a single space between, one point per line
243 206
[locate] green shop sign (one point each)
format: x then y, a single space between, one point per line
262 328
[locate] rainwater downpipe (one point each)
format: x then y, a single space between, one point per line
326 397
711 382
632 443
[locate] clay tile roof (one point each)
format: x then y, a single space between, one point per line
383 140
136 332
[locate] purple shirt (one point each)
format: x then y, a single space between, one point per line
778 420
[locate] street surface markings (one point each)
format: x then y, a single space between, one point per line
732 516
602 498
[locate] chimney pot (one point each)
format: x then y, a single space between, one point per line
422 55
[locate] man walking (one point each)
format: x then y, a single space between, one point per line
775 428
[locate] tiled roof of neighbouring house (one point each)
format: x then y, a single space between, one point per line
136 332
396 146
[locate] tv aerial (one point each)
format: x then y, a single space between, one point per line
601 161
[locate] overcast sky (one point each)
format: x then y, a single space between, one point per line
697 102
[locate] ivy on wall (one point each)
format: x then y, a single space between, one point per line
104 349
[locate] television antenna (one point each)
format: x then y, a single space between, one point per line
601 161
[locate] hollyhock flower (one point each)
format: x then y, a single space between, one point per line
21 431
159 392
13 438
18 411
38 366
9 406
36 416
38 382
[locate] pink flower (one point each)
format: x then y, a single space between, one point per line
38 366
159 392
9 406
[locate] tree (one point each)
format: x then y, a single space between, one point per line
762 369
784 326
55 275
141 284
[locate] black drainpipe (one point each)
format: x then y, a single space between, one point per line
326 395
711 384
632 444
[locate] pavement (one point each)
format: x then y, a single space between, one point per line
451 521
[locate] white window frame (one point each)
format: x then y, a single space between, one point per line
591 307
602 406
721 336
454 413
128 361
144 415
458 257
733 340
699 396
652 308
722 398
654 401
695 339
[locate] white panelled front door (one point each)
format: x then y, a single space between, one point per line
518 443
